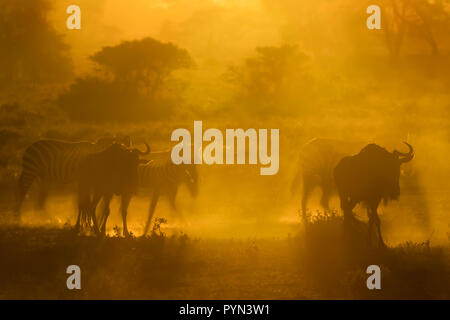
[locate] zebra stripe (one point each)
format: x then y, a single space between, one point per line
163 177
54 162
161 174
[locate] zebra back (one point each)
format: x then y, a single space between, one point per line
56 161
163 175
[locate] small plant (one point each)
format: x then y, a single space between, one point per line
67 225
117 232
156 231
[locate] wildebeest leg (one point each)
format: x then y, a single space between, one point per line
77 224
151 211
91 213
83 206
83 212
106 202
347 205
371 216
124 209
374 220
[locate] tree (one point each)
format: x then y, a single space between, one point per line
419 18
147 62
137 83
32 51
271 77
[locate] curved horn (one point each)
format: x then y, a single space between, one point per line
143 153
406 156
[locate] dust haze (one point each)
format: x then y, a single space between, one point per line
311 69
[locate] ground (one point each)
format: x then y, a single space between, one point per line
319 262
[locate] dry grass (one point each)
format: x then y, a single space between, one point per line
317 264
337 262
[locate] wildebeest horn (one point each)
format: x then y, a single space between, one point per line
406 156
143 153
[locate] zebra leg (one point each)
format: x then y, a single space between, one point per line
307 188
296 182
42 196
124 209
324 201
172 195
151 211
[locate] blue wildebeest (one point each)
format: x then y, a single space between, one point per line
370 176
113 171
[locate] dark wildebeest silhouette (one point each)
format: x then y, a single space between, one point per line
163 178
103 174
318 158
368 177
51 162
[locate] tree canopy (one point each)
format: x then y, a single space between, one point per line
32 50
139 84
272 75
148 62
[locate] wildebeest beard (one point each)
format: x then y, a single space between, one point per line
392 193
390 197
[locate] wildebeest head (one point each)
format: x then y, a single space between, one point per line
117 166
385 168
127 164
105 142
399 159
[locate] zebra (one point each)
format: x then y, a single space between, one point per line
317 161
162 177
55 162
